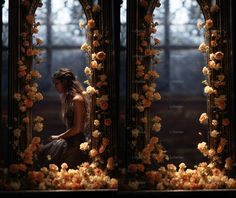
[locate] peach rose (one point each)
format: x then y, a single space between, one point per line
105 141
91 24
93 153
225 122
100 55
30 19
209 24
132 168
39 41
107 122
203 118
219 55
28 103
203 48
103 105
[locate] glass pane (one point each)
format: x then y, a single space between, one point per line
123 35
185 35
186 72
184 12
183 19
5 23
123 12
123 29
69 10
5 12
61 11
67 35
5 35
63 32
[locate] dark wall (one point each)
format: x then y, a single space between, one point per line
233 33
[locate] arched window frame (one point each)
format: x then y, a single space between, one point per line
221 22
17 21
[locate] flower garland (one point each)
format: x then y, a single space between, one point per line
145 95
28 92
100 150
146 92
215 90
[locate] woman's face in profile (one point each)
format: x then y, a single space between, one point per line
59 86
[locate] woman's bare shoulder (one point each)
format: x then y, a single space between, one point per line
78 98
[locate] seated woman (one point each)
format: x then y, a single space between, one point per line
65 147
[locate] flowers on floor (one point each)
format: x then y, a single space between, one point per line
172 177
25 175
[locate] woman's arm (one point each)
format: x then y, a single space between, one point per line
78 122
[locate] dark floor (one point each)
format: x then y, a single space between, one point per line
130 194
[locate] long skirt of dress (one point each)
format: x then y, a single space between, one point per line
63 150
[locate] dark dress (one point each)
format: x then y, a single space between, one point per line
63 150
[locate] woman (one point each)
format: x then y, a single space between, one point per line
65 147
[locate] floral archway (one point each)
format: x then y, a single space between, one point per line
145 154
24 93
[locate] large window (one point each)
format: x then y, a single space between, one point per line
179 84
